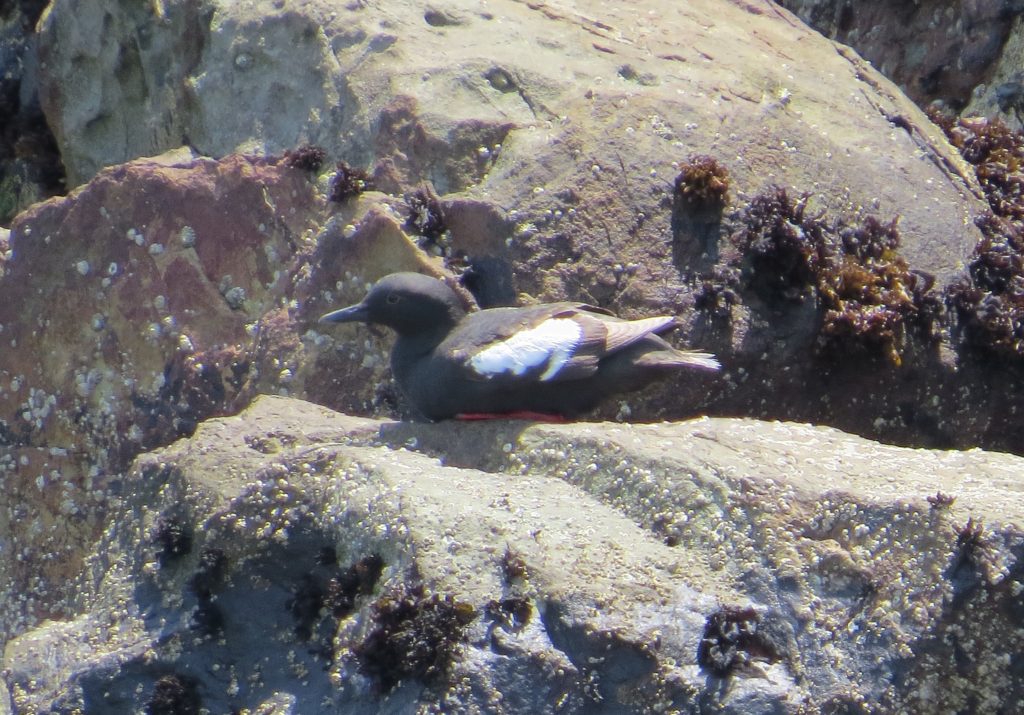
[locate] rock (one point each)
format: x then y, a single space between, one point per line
964 56
30 168
136 290
935 50
576 121
126 317
552 141
1002 94
295 556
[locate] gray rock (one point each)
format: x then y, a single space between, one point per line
574 122
724 564
934 50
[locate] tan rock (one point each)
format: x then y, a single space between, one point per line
588 563
520 106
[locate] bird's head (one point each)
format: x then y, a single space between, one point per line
409 303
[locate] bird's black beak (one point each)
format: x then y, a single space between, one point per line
357 313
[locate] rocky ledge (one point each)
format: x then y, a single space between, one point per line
295 560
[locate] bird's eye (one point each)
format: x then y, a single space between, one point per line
393 298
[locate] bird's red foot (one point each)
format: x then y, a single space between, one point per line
517 415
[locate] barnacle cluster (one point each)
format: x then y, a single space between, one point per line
415 635
702 182
348 181
867 293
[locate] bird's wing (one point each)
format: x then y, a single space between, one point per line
541 344
553 343
623 333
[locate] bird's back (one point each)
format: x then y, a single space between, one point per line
497 361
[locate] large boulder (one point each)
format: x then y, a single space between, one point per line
554 139
295 560
572 120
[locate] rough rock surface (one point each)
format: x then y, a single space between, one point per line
965 54
719 564
577 100
553 136
603 567
1002 95
30 168
127 315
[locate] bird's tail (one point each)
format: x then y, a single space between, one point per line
704 361
681 358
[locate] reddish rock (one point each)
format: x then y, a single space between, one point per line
119 300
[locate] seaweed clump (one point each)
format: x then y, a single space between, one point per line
703 183
718 292
174 695
308 157
173 537
733 636
425 217
415 635
337 592
989 300
997 154
785 248
345 586
348 181
868 295
970 546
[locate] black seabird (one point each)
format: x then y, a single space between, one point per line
553 360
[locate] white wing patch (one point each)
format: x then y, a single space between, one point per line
551 343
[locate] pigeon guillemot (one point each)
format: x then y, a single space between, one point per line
555 359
